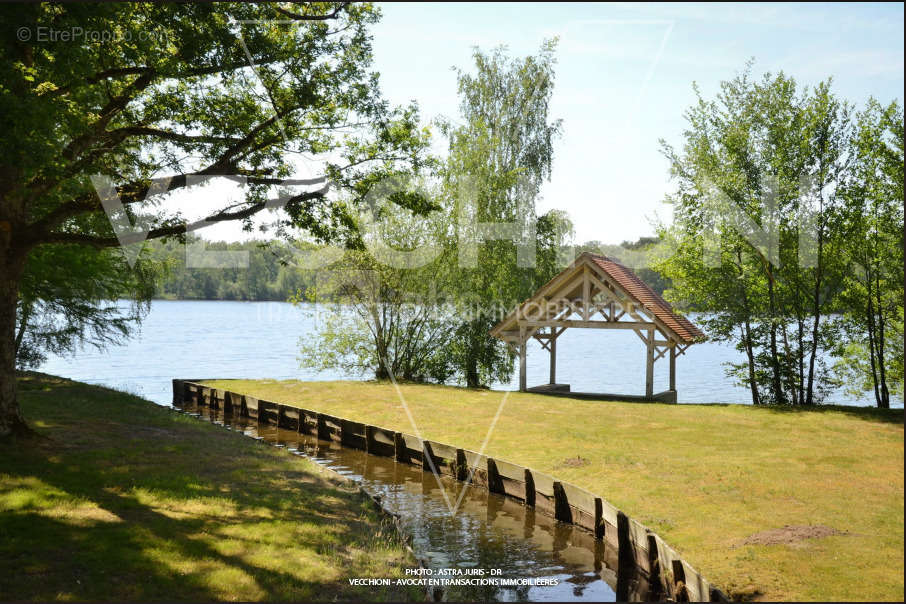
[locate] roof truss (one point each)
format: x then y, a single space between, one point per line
586 297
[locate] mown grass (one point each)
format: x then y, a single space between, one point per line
122 500
705 477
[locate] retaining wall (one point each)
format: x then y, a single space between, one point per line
637 546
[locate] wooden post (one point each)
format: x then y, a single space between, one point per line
655 585
553 347
399 445
495 482
522 354
462 467
178 392
649 365
673 366
562 511
599 518
626 563
529 488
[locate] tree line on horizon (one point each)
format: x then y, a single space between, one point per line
273 276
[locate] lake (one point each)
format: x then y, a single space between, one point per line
214 339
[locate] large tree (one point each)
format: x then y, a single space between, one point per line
155 97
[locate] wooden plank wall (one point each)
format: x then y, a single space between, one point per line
637 545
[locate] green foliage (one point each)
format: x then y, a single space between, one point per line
871 359
69 296
175 93
499 155
379 309
760 238
273 271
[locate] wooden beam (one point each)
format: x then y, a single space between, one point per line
589 324
553 351
545 344
641 337
522 355
649 364
605 289
673 368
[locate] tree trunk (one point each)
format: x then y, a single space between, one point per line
472 370
801 355
473 352
813 354
884 401
870 324
750 356
747 337
12 264
24 316
816 313
776 384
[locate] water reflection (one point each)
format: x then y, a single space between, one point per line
488 531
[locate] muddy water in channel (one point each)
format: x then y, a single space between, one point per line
488 531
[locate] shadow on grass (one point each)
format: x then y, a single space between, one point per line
171 510
888 416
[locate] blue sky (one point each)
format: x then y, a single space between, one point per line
624 80
625 74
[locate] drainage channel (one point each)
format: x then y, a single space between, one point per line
538 558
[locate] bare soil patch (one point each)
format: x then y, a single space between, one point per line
791 534
574 462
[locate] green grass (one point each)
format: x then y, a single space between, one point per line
705 477
123 500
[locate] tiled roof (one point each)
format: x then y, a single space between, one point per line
648 298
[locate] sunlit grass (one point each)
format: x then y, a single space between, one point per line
124 500
705 477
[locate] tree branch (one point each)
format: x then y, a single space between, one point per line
120 134
179 229
94 79
298 17
117 104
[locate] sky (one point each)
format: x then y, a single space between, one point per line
624 78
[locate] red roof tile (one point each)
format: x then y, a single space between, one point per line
648 298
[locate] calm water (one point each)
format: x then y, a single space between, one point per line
183 339
487 532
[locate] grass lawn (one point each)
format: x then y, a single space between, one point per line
124 500
713 480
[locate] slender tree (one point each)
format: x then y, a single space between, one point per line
872 356
499 156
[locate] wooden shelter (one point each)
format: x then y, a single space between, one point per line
600 293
